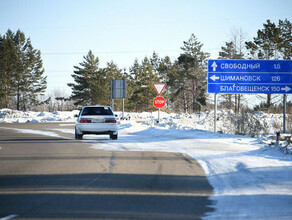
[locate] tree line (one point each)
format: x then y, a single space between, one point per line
186 77
22 80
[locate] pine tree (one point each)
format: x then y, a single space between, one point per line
112 72
155 61
267 45
228 52
148 77
286 36
143 76
88 88
7 55
21 71
36 84
28 73
272 43
134 99
165 69
191 75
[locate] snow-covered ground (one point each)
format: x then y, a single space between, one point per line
256 124
14 116
251 179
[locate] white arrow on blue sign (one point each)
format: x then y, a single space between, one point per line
250 76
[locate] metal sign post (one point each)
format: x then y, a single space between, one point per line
119 91
215 112
159 101
123 108
113 104
284 112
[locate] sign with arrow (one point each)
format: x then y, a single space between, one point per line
214 66
250 76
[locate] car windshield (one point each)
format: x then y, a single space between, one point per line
97 111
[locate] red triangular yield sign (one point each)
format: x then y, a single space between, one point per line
159 87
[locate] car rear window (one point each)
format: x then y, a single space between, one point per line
97 111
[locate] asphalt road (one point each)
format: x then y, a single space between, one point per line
52 177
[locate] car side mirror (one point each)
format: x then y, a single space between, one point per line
116 116
76 116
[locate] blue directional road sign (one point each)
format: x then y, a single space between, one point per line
250 76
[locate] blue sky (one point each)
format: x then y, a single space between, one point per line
121 30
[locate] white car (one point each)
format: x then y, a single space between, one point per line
96 120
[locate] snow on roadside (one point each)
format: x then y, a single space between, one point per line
227 121
250 181
15 116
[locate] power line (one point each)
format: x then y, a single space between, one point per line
119 52
108 52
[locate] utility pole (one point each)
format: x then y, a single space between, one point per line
284 112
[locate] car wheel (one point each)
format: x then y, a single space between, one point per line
114 136
78 136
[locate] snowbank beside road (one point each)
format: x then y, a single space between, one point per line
14 116
256 124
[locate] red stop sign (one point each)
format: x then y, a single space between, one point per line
159 102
